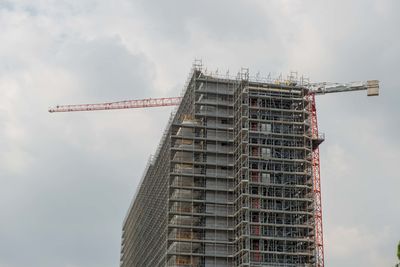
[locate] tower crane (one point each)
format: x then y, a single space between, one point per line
313 89
371 86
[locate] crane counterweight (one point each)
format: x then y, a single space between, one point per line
373 88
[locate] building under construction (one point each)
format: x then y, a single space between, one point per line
231 183
235 180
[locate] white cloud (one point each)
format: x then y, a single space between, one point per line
359 246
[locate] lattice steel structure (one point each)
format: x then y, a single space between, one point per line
232 181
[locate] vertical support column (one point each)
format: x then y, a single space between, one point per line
317 184
241 171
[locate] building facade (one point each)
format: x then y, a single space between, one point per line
231 183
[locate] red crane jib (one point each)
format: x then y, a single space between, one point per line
139 103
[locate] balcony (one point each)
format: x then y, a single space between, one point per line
184 220
186 194
184 247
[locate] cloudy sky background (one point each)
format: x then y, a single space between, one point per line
66 180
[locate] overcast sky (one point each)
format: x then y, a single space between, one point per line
66 180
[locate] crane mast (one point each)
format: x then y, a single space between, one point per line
316 173
322 88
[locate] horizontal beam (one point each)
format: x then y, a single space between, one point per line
372 87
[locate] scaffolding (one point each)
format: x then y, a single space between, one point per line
273 175
231 183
